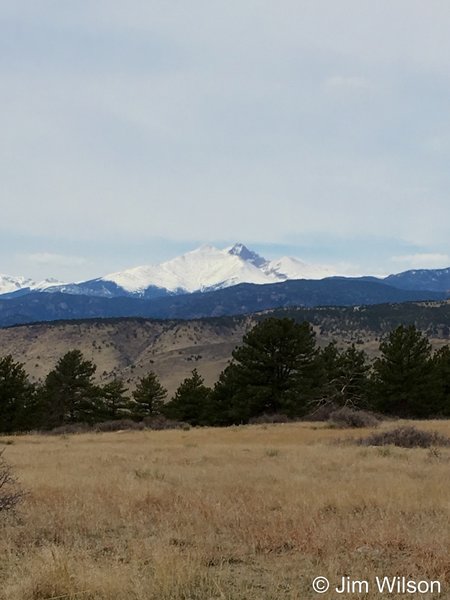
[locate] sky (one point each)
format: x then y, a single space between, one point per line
132 132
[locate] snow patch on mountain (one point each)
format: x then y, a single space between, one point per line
12 284
288 267
9 284
46 283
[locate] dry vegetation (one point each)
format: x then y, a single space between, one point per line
130 348
248 513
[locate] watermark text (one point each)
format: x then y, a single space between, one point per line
383 585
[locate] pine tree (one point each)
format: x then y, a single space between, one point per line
224 407
441 380
190 402
276 368
149 397
114 403
402 380
16 397
69 391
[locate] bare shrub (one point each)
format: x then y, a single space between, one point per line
156 423
119 425
321 413
266 418
406 437
159 423
10 493
348 417
69 428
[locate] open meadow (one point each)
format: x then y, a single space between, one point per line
253 512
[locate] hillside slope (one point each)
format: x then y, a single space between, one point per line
128 348
131 347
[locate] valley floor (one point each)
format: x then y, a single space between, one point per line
252 513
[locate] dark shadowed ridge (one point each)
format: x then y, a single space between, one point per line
240 299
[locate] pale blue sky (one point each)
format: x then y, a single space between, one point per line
133 131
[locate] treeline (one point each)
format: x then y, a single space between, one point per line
278 370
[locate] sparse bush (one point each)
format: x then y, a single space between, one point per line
321 413
434 454
348 417
119 425
406 437
159 423
272 452
265 418
10 493
70 428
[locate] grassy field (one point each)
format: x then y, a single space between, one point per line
250 513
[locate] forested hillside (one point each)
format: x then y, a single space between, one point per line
278 371
127 348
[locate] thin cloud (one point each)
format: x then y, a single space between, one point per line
423 260
124 126
339 82
55 260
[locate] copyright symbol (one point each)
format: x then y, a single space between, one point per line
321 585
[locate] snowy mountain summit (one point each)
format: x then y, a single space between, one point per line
204 269
9 284
208 268
247 255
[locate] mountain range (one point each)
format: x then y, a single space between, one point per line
206 269
16 285
201 270
211 282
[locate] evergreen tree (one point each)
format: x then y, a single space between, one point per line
224 407
190 402
114 403
149 397
16 397
329 360
402 379
276 368
441 380
32 413
69 391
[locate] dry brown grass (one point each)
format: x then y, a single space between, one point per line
248 513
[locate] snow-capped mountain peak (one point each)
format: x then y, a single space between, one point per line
208 268
246 254
46 283
202 269
289 267
10 284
